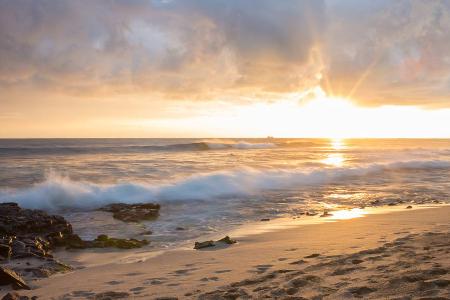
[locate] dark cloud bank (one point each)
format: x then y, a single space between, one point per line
377 51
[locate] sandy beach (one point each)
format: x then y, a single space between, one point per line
393 253
226 149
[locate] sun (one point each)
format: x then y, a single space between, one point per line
307 115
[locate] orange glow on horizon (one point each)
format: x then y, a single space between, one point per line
319 117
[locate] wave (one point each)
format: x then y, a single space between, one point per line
71 150
58 193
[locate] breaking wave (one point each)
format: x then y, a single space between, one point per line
60 193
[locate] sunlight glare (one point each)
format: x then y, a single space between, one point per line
337 144
334 159
349 214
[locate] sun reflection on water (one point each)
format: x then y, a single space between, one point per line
334 159
337 144
349 214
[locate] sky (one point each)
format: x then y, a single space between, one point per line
224 68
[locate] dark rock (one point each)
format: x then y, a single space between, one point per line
133 212
8 276
15 296
325 214
311 213
265 220
205 244
227 240
5 251
103 241
180 228
409 207
30 233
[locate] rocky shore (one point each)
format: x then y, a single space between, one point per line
28 238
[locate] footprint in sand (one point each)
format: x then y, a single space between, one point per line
313 255
114 282
361 291
262 268
222 271
344 271
81 294
155 281
134 274
182 272
357 261
173 284
137 290
214 278
298 262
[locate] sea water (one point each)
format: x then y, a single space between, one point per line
210 185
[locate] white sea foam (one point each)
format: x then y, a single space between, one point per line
58 192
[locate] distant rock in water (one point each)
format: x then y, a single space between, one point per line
133 212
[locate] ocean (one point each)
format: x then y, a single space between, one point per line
211 185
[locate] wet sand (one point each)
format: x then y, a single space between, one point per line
390 255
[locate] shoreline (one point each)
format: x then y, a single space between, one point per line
245 230
179 271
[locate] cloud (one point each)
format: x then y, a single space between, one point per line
168 47
378 51
389 52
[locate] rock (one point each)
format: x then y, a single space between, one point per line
311 213
5 251
205 244
8 276
265 220
103 241
325 214
133 212
227 240
180 228
15 296
409 207
30 233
